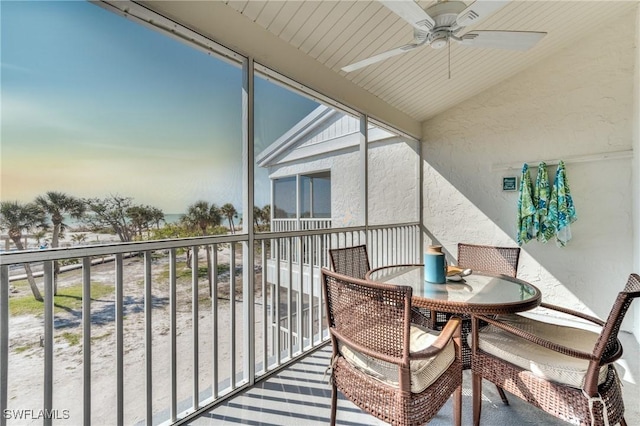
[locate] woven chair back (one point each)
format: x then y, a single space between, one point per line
373 318
350 261
607 344
494 260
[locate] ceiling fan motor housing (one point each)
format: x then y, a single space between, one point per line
444 14
439 38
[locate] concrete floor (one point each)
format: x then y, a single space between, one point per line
301 395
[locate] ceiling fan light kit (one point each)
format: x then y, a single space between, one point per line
444 21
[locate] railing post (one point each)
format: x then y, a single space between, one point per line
86 339
276 308
312 261
148 336
299 298
265 357
173 302
194 325
290 298
48 341
119 297
4 341
232 313
214 321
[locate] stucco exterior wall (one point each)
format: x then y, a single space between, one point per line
578 102
393 186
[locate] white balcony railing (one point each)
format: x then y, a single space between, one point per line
287 225
141 338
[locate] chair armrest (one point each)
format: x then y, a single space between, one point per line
538 340
572 313
450 330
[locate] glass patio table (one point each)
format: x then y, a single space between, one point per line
478 293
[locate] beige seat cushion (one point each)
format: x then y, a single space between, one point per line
423 372
542 362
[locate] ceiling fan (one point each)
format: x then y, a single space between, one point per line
444 21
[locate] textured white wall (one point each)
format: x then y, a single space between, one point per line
393 186
577 102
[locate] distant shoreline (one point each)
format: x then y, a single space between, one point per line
75 227
169 218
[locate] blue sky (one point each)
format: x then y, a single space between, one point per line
94 104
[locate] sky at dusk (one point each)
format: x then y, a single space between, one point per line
95 105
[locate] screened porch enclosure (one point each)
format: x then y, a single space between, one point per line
138 102
161 328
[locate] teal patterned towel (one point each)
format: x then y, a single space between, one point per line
562 212
526 209
543 227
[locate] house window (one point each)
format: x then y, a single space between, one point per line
313 192
315 195
284 198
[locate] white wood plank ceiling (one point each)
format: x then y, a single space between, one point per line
337 33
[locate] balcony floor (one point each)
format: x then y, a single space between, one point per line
300 395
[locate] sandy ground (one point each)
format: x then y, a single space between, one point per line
26 360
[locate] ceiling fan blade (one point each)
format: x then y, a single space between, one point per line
411 12
380 57
479 10
511 40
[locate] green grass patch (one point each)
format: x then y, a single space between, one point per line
67 299
182 272
72 338
21 349
20 284
202 271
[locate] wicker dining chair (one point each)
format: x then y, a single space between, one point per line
399 372
495 260
354 262
563 370
350 261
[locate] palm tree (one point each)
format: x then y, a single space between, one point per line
139 217
229 212
39 235
57 204
17 218
265 214
202 215
79 238
261 216
157 215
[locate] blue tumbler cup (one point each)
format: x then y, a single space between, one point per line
434 265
